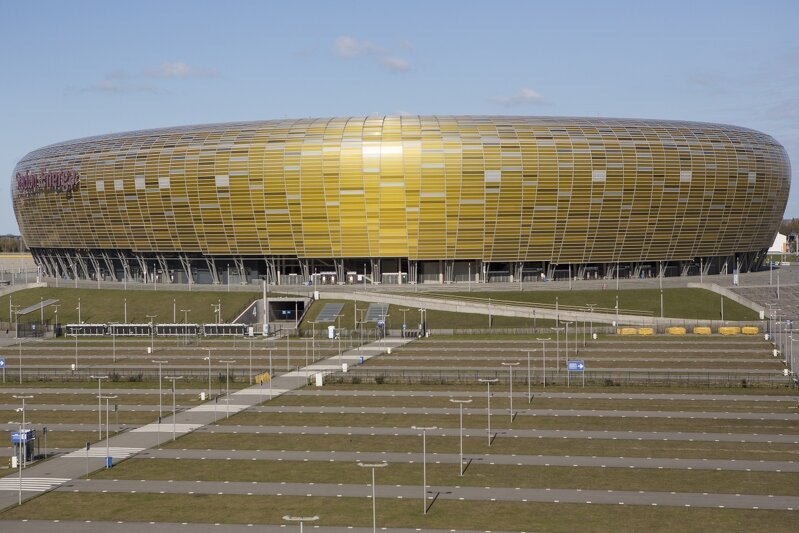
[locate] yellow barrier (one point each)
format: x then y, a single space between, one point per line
262 378
729 330
646 331
702 330
627 331
676 330
750 330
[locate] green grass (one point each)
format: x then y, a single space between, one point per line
499 419
501 445
395 513
677 303
477 475
104 306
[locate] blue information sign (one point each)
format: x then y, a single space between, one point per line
575 366
2 362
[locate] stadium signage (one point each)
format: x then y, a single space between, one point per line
60 181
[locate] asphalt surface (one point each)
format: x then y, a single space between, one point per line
509 494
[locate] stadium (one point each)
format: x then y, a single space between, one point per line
404 199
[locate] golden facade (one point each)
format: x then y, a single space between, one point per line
418 188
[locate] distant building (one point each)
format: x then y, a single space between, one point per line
404 199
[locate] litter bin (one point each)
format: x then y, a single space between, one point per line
109 462
202 396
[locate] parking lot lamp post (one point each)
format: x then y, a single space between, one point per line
313 339
152 332
374 505
159 363
173 379
99 406
510 384
107 434
460 405
567 324
227 385
250 370
488 382
209 372
300 519
424 431
544 354
403 310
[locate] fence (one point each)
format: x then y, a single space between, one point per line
592 378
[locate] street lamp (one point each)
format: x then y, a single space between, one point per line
107 437
22 442
510 383
300 519
209 372
488 382
227 385
403 310
173 379
567 324
374 505
590 322
159 362
557 347
460 405
313 337
99 406
152 331
544 354
424 462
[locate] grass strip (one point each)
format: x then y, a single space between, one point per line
476 475
394 513
501 445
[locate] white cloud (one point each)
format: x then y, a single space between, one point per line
525 96
395 63
120 81
179 69
346 47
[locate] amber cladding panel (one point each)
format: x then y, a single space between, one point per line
566 190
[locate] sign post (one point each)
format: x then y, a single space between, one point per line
576 365
3 366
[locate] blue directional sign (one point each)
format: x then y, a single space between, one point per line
2 362
575 366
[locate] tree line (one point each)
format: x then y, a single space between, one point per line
11 243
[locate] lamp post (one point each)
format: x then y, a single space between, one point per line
374 505
567 324
173 379
510 383
300 519
22 443
590 322
227 385
99 406
313 336
488 382
23 458
403 310
209 372
250 365
152 332
460 405
125 316
424 462
159 362
544 353
107 438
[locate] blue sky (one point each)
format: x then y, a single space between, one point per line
79 68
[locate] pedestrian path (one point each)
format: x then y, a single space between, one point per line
31 484
117 452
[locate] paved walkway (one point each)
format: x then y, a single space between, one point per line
55 471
